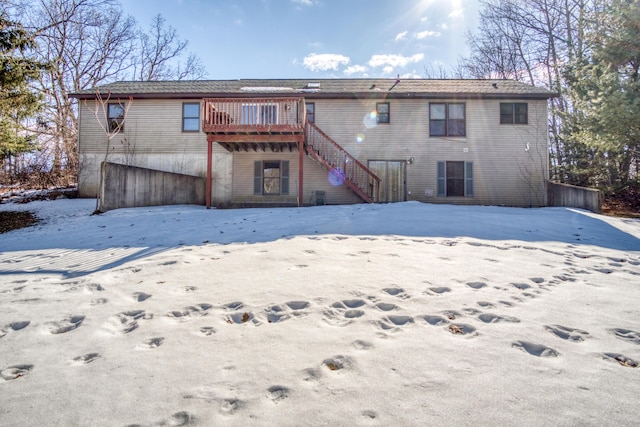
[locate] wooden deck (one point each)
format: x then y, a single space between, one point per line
254 124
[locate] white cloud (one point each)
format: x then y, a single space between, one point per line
444 26
394 60
411 75
303 2
457 13
355 69
401 36
324 61
424 34
388 69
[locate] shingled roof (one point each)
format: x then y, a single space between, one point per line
322 88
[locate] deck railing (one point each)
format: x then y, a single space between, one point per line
253 115
343 165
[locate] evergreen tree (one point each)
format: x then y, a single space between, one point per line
17 100
606 90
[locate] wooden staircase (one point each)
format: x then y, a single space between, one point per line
338 161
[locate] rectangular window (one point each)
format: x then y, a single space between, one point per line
190 117
271 177
514 113
447 119
115 117
383 112
254 114
455 179
311 112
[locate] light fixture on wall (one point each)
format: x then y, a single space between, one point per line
410 161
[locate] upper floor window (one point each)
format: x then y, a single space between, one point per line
311 112
383 112
115 117
190 117
513 113
447 119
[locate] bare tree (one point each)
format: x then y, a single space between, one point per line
533 41
111 125
87 42
159 55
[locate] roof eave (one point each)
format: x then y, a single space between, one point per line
323 95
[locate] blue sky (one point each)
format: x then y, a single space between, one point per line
317 38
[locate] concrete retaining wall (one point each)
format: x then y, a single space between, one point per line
129 186
575 197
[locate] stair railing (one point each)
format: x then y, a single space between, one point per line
344 167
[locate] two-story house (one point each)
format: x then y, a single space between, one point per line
334 141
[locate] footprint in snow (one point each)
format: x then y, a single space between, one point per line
462 329
190 312
241 318
16 371
151 343
476 285
435 320
277 393
141 296
627 335
621 359
533 349
494 318
86 358
566 333
337 363
439 290
65 325
394 322
207 331
127 321
396 292
14 326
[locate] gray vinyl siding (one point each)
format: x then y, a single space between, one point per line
510 162
315 179
152 138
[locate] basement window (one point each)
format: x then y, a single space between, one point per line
455 179
271 177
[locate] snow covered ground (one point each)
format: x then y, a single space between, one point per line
400 314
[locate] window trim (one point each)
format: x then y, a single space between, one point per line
184 117
259 179
513 115
114 121
387 114
447 120
467 178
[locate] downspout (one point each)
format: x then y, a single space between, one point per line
209 166
300 169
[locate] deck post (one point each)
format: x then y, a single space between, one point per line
300 170
209 166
